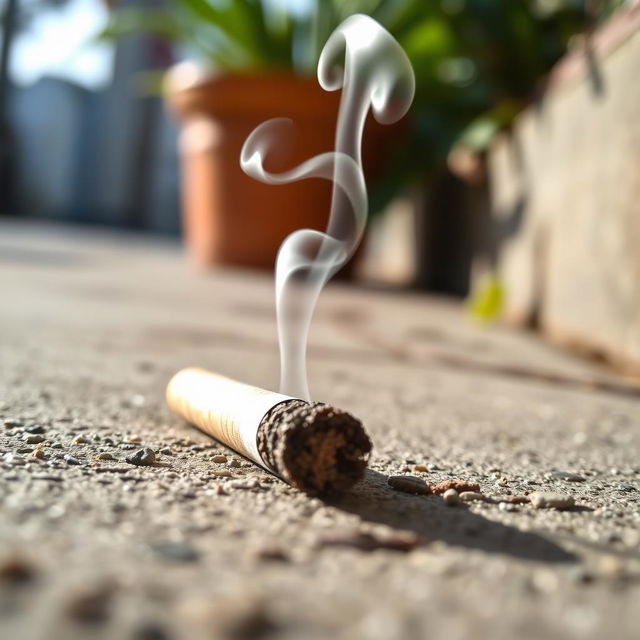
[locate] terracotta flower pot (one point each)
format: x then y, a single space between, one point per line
228 217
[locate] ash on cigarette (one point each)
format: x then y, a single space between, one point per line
313 446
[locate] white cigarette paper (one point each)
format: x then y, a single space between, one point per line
229 410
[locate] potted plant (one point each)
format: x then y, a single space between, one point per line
259 63
477 65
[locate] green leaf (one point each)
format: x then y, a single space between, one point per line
486 301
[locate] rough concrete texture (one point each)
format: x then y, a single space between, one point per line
197 546
565 188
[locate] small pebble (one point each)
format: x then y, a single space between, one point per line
249 483
368 542
272 554
80 440
544 500
567 476
222 473
90 606
69 459
516 499
105 455
10 423
15 569
507 506
38 452
33 438
451 497
218 458
408 484
502 482
14 459
623 486
458 485
179 551
134 438
611 567
36 429
472 496
233 463
142 457
137 400
420 467
166 451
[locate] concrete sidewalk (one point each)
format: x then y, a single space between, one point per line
92 327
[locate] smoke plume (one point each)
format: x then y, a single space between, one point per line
363 59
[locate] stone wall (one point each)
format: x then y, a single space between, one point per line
566 200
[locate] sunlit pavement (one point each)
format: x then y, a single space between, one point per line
92 326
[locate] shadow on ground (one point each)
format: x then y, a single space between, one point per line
374 501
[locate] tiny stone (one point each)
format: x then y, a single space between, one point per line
33 438
250 483
270 554
623 486
142 457
233 463
38 453
57 445
433 467
179 551
222 473
368 542
134 438
516 499
91 606
166 451
10 423
544 500
458 485
506 506
472 496
14 459
80 440
69 459
420 467
137 400
37 429
105 455
15 570
451 497
502 482
582 575
218 458
611 567
567 476
408 484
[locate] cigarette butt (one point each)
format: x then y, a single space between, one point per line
312 446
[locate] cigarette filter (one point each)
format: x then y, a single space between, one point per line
312 446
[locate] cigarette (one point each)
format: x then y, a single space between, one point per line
313 446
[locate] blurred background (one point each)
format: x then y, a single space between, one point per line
511 183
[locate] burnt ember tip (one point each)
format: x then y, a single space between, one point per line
313 446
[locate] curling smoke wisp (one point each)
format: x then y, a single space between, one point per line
363 59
